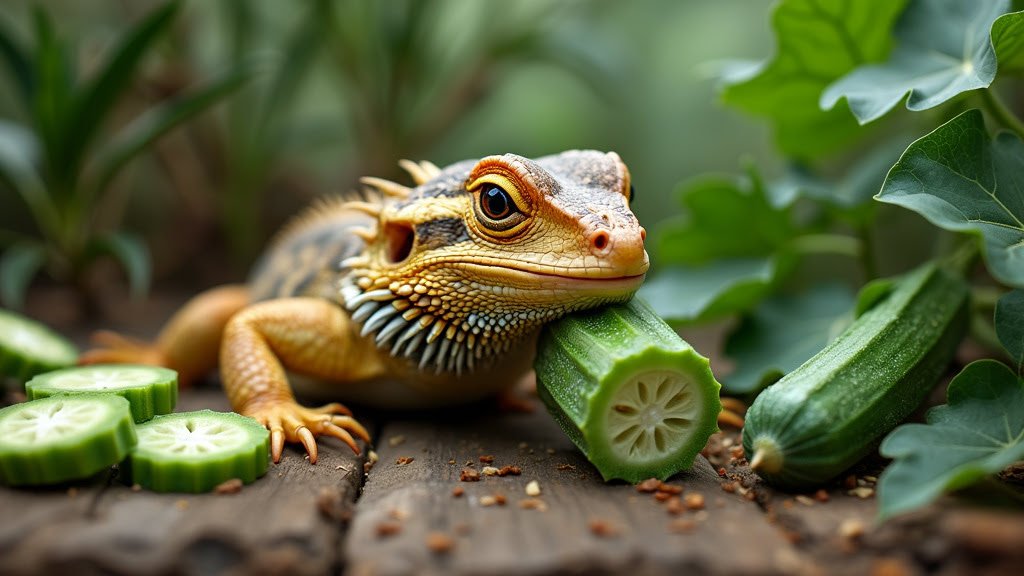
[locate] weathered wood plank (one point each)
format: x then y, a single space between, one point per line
290 521
415 500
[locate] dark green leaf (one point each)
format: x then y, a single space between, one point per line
854 189
1009 322
783 333
818 41
52 97
980 431
101 94
722 288
872 293
131 252
18 62
18 265
959 179
942 49
1008 41
160 119
724 218
19 150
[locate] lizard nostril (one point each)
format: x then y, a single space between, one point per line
643 234
599 241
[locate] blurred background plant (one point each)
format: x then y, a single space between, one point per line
345 88
62 162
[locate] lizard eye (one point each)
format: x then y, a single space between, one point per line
496 203
497 211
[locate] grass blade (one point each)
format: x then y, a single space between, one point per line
160 119
99 97
131 253
19 64
18 266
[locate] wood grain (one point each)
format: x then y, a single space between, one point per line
291 521
417 498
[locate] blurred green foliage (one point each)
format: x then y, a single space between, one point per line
62 161
347 87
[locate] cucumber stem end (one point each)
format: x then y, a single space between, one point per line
767 456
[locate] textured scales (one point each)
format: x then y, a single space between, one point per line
412 296
424 308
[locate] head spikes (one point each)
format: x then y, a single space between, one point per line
368 208
366 234
420 172
387 187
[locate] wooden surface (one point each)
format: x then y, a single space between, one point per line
404 518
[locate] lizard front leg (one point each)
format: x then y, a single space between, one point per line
310 336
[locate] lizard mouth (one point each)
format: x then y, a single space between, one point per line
557 279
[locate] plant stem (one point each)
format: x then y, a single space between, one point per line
867 252
996 107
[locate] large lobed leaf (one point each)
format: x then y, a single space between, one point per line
980 431
960 179
943 49
708 269
818 42
783 333
1009 323
701 293
715 209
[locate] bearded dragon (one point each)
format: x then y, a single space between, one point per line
410 297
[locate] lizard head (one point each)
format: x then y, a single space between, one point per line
485 251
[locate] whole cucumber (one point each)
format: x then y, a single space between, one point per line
833 410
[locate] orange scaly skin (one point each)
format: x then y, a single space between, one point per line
419 297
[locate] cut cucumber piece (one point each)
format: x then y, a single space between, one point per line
150 390
633 396
63 438
196 451
28 348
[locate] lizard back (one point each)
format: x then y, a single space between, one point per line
305 257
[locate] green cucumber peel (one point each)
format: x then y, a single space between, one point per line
196 451
28 347
150 390
635 398
63 438
833 410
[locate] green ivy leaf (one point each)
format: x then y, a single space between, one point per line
691 294
18 266
959 179
1010 326
782 333
943 48
716 207
818 41
131 252
1008 41
980 431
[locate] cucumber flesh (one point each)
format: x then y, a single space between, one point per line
28 347
150 390
63 438
196 451
636 399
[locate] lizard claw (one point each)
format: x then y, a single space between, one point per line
290 422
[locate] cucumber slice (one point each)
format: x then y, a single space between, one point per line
196 451
150 390
63 438
28 347
634 397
